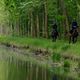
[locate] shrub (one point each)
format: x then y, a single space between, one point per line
65 47
56 57
78 69
66 66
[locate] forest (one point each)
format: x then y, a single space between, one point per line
27 49
35 17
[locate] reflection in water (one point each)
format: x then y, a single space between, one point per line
18 65
14 66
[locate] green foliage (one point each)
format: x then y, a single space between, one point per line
56 57
21 15
79 64
65 47
78 68
3 13
66 66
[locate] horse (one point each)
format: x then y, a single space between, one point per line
54 35
73 34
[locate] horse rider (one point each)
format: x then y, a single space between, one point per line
73 32
54 33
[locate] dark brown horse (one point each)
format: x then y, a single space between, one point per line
73 34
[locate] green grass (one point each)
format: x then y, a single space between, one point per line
56 57
60 46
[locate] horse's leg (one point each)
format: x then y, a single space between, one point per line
70 39
54 38
73 39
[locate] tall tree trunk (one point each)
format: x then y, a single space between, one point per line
46 19
65 21
43 25
28 27
37 23
17 27
32 32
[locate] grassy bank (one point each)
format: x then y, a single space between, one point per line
59 46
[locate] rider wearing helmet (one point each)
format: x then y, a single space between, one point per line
74 25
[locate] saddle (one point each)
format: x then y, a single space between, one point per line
73 33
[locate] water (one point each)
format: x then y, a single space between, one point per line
16 66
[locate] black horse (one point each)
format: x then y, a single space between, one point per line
54 35
73 34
